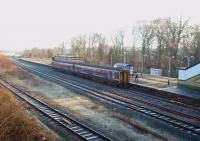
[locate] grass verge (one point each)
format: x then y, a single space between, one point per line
16 124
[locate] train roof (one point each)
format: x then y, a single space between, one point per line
71 56
122 64
91 65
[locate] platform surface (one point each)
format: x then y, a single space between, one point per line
181 90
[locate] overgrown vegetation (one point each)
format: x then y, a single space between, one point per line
5 65
16 124
7 68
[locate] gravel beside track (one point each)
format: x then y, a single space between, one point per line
182 125
69 124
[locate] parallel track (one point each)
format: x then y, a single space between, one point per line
65 121
173 101
165 100
173 111
177 123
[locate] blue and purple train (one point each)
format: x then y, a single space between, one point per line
117 76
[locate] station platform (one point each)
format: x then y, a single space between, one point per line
181 90
176 90
160 83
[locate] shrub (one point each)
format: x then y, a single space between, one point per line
15 122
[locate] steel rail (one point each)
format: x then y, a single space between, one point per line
178 123
135 92
82 131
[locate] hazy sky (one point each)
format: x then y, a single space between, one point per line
46 23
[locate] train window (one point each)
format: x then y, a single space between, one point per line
113 75
125 66
117 75
109 74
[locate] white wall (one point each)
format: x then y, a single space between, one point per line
156 72
189 73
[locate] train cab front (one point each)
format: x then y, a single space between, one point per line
125 78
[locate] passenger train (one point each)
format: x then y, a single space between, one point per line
116 76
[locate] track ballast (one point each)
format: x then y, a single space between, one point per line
65 121
172 121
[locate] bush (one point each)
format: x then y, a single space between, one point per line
15 122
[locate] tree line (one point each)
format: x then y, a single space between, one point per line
160 43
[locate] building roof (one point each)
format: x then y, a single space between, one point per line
185 68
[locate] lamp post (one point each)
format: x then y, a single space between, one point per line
188 59
63 48
142 69
124 57
111 59
169 71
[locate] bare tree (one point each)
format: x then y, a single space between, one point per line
118 50
158 39
177 33
78 45
145 31
161 35
195 43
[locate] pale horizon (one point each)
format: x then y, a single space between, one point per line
47 23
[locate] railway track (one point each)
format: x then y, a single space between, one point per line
172 121
190 117
168 100
82 131
165 100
